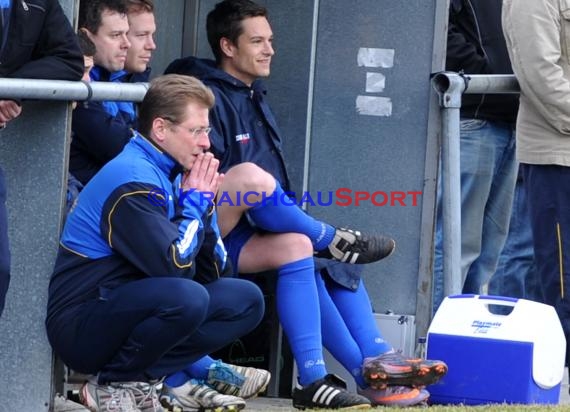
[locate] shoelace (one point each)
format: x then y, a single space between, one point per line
121 400
147 392
224 374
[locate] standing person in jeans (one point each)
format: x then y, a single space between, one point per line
245 133
516 274
537 35
140 288
37 42
475 45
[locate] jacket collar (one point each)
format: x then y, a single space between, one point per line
207 70
159 157
99 73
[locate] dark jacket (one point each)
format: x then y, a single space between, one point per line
476 45
130 223
101 129
244 129
41 43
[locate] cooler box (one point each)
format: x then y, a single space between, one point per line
495 358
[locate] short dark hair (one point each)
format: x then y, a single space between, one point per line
90 12
168 97
225 21
86 45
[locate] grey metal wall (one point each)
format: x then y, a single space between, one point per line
169 37
369 128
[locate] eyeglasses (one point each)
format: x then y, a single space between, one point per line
195 131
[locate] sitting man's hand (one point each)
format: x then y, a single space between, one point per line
203 176
9 110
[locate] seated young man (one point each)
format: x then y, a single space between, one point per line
324 304
138 290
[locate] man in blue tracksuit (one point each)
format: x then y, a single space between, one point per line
244 131
37 42
137 291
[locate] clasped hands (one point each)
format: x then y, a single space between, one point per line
204 175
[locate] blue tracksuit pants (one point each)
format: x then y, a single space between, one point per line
150 328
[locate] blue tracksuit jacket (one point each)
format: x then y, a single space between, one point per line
131 222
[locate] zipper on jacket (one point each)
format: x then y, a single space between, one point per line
27 6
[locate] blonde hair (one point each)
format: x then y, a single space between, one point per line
140 6
168 97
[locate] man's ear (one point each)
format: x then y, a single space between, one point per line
227 47
86 31
158 130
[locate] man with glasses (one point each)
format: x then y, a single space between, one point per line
139 290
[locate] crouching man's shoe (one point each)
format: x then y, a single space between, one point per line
242 381
195 396
114 396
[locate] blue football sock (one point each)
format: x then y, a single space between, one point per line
277 213
199 369
196 370
336 336
298 309
177 379
356 310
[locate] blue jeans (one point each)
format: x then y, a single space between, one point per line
4 250
488 175
516 274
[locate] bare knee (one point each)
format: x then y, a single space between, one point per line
271 251
248 177
296 246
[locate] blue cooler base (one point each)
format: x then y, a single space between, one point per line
486 371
